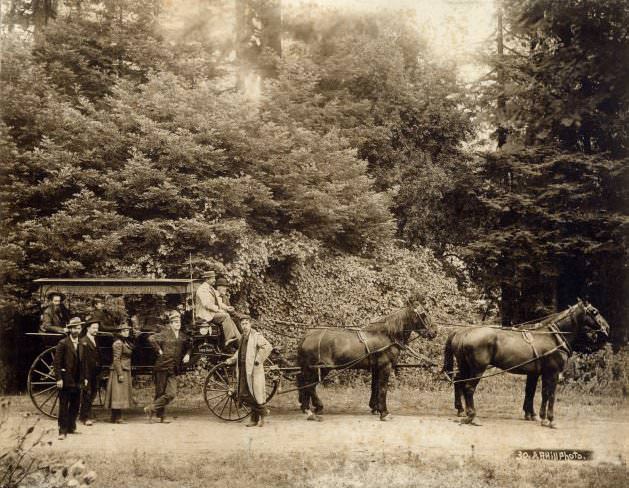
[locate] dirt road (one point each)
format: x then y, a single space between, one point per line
194 432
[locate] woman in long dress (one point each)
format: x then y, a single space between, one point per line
118 394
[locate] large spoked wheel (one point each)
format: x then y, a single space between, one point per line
42 386
220 392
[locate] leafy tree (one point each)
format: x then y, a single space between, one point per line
554 197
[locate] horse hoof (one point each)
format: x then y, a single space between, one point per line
374 411
318 410
531 417
386 417
460 413
314 418
475 422
552 425
545 423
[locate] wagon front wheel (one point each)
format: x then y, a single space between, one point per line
42 385
220 393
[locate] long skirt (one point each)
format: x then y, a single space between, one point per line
118 393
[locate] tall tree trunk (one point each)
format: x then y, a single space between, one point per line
258 30
501 103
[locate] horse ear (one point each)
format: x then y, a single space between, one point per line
579 300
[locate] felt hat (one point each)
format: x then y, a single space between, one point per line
209 274
90 320
58 293
222 281
121 327
74 322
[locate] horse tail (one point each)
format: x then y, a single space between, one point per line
448 357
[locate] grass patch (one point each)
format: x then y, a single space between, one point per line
347 470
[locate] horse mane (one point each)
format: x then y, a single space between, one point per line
392 324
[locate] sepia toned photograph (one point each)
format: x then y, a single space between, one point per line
314 243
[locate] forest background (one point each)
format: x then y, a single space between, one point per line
326 159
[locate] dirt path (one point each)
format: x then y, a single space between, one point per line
193 432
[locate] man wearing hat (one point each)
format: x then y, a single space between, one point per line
253 350
172 347
67 370
90 370
105 319
209 306
222 287
55 315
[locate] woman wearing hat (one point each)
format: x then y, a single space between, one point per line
118 394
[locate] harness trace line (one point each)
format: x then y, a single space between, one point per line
562 346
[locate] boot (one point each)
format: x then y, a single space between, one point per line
253 421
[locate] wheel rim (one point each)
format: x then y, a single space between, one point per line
220 392
42 385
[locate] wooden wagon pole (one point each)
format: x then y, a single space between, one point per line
194 319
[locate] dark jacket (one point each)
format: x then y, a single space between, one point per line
54 319
106 321
67 365
122 352
173 349
90 359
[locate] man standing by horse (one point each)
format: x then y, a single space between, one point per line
253 350
209 307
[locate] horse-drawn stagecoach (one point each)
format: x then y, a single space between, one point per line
208 351
537 349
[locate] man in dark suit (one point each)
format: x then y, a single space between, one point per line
90 370
172 347
67 369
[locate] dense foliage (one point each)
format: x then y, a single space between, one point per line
137 135
554 197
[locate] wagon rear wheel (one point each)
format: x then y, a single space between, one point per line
42 386
220 391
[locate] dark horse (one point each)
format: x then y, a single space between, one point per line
375 347
540 350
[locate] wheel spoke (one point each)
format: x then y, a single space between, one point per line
218 373
41 405
218 402
231 401
216 396
223 409
52 409
45 374
43 382
47 365
44 391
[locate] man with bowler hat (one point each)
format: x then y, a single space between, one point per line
67 370
90 370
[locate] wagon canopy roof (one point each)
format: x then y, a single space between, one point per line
116 286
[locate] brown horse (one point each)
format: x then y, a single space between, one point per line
541 350
375 347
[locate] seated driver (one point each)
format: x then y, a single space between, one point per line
210 307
